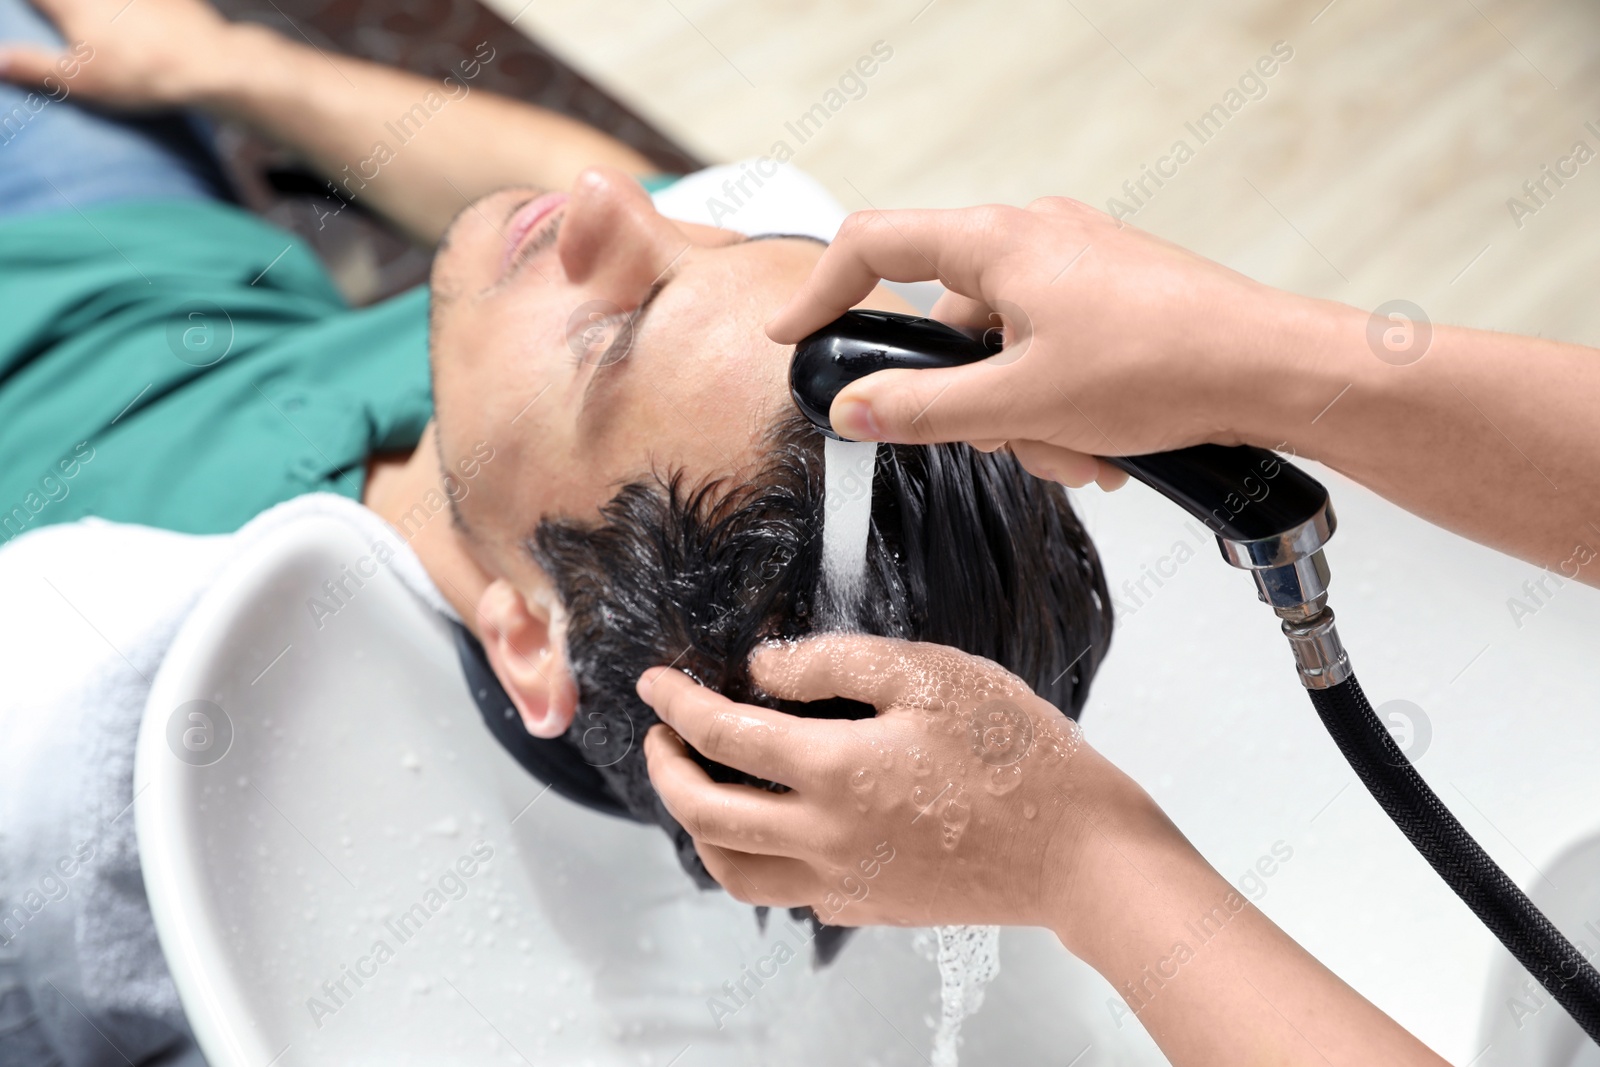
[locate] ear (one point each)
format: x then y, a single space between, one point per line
525 649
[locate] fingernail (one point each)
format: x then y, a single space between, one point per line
855 418
762 655
647 682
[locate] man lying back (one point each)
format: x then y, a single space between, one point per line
585 386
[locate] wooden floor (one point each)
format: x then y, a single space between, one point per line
1374 164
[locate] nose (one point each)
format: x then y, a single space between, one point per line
613 242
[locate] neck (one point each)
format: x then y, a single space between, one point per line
408 493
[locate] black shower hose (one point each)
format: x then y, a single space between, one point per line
1460 861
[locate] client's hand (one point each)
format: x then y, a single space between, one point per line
964 801
126 54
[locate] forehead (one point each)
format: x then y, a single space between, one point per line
701 383
695 390
702 347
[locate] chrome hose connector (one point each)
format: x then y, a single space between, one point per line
1318 653
1290 571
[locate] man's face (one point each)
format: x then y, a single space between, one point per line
530 291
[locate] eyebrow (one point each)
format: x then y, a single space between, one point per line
636 317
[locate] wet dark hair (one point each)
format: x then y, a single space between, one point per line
966 549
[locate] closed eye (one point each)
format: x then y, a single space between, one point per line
545 240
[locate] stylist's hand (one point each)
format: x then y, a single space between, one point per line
128 54
965 800
1117 343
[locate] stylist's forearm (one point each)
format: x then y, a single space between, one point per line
337 111
1491 435
1185 950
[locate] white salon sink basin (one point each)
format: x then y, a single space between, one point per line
361 802
359 773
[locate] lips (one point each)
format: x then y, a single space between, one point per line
525 224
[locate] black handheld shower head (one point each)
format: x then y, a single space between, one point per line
859 343
1270 517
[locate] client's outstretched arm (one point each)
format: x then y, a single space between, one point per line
970 800
415 149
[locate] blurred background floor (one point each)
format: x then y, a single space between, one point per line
1376 166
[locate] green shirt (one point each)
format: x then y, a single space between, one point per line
186 365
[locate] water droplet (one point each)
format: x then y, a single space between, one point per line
862 781
1029 809
956 814
1003 780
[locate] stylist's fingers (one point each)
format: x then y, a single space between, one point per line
758 741
950 246
1056 464
739 817
881 671
776 881
861 667
962 312
1111 477
987 401
1070 468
